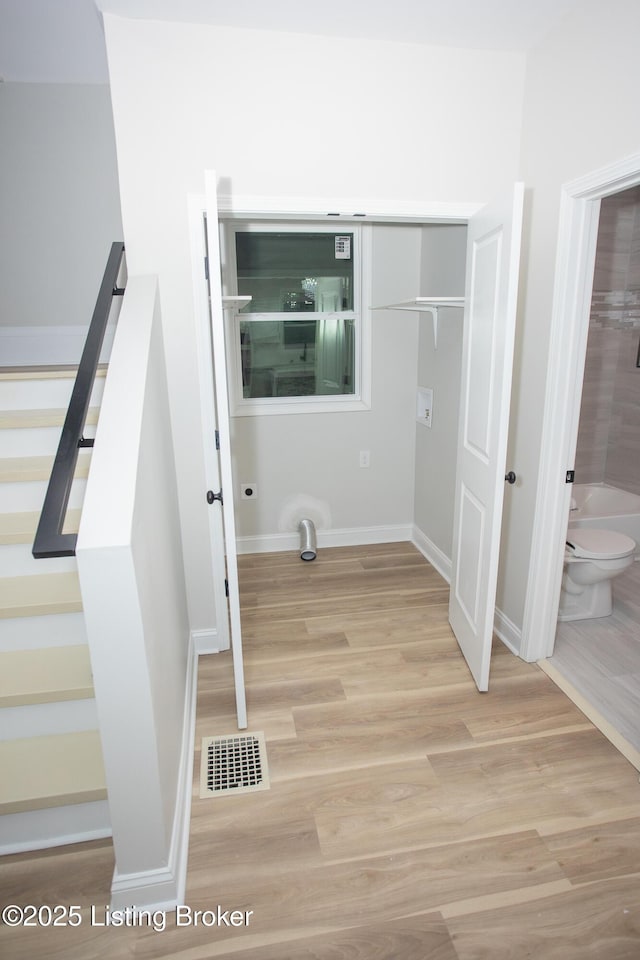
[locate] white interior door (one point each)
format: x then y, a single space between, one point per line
210 431
493 258
227 545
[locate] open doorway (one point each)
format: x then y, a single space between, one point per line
579 274
601 656
291 453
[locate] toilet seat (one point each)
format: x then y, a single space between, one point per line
590 544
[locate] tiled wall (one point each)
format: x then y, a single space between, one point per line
609 434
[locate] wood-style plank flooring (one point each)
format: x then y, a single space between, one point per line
408 818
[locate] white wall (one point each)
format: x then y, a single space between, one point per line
443 262
263 109
580 113
138 631
313 459
60 202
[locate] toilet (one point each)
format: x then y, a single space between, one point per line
592 559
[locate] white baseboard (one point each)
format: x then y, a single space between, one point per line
27 346
345 537
151 890
54 827
205 641
164 888
433 554
504 628
508 632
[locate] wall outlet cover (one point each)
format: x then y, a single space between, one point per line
424 405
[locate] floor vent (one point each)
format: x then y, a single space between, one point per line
233 764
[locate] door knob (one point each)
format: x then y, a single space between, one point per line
511 477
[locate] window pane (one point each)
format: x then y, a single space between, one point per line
295 272
304 356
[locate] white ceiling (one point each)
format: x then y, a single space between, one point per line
61 41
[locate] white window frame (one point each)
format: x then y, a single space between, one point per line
360 399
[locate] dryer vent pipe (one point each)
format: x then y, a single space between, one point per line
307 540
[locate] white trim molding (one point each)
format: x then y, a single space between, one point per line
575 259
360 209
360 316
432 553
506 631
503 627
162 889
206 641
345 537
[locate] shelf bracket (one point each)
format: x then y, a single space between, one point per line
426 305
434 316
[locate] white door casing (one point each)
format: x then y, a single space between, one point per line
493 258
573 283
226 504
197 221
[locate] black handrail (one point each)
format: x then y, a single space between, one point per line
49 540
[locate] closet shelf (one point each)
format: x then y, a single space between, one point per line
236 302
418 304
424 305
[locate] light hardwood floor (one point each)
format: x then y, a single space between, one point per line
408 818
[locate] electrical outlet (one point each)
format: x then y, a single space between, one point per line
365 458
249 491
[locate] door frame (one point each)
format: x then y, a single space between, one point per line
210 641
573 284
296 208
345 209
355 209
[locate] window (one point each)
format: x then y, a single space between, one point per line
298 346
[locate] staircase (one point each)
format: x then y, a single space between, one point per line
52 785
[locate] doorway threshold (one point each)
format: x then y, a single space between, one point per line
628 751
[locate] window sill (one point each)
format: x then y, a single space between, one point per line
278 407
